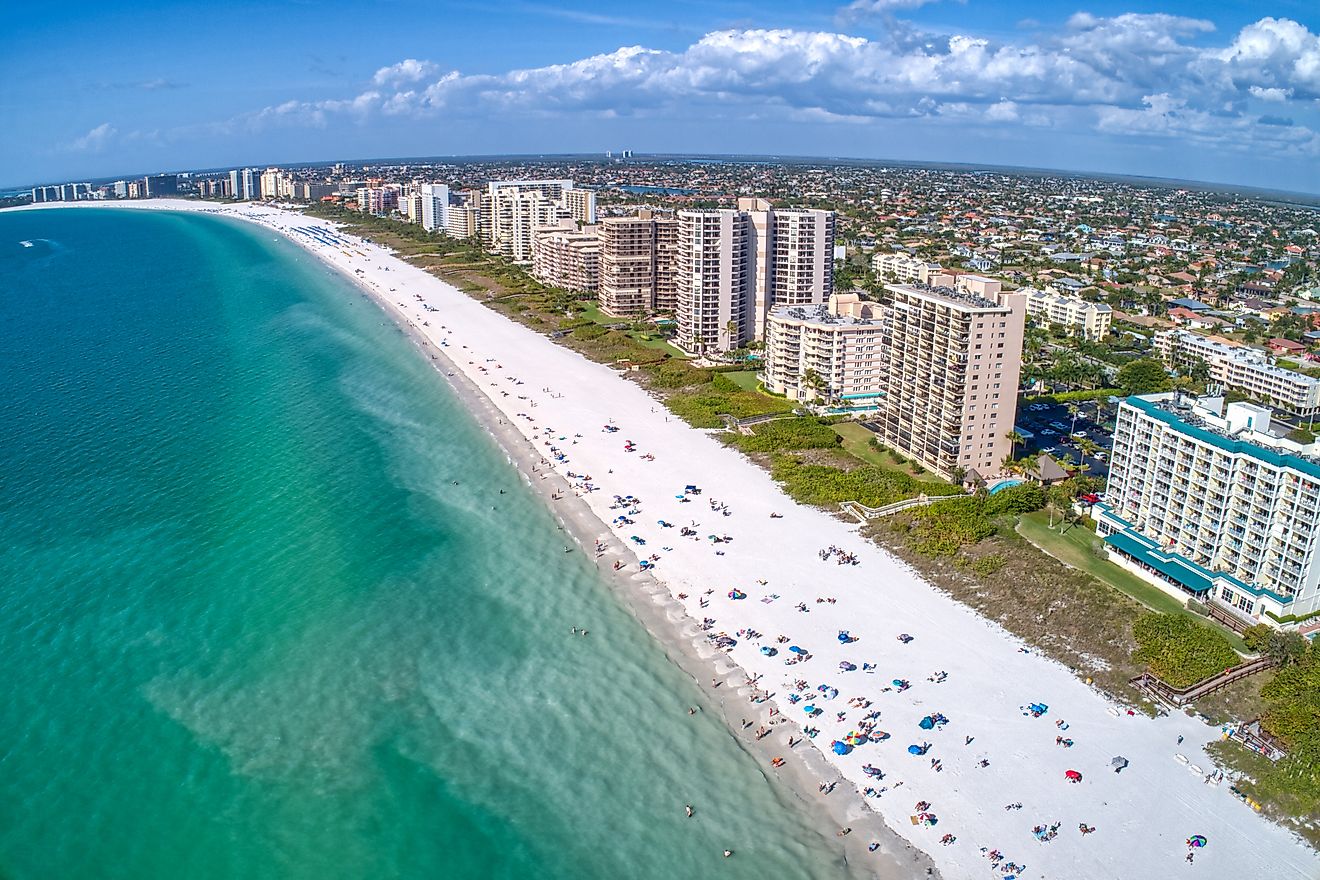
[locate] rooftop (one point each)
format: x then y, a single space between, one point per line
1241 429
948 294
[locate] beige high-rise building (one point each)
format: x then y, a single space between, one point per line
1078 317
638 262
953 358
563 256
903 268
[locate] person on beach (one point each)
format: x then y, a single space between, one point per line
688 809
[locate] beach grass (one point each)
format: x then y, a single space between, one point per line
857 441
1078 547
1264 782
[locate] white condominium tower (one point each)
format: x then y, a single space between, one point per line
832 351
514 209
713 290
638 264
737 264
1240 368
1210 501
435 206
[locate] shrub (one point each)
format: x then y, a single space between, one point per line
783 435
868 485
1016 499
941 529
1179 650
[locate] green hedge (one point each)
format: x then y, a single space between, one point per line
1076 396
785 435
1179 650
868 485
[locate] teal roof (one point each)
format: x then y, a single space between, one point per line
1236 447
1180 569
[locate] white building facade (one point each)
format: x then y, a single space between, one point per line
1206 501
1077 316
1240 368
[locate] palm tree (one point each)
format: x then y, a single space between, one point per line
1073 410
1014 438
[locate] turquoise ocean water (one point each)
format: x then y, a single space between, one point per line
250 629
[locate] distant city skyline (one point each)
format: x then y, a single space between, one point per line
1224 92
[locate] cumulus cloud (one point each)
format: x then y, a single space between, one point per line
1275 53
409 70
1135 74
95 140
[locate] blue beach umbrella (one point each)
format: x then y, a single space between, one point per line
796 650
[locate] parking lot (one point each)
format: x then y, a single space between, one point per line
1056 432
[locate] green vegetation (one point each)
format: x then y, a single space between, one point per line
1144 376
862 444
941 530
745 379
1078 396
1181 651
1302 435
868 485
783 435
702 406
1079 547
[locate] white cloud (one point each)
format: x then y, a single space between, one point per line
95 140
409 70
1132 74
1275 53
1272 94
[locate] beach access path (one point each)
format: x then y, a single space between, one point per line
766 579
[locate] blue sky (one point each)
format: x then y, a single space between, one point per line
1226 91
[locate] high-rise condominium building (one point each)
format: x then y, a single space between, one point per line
1076 316
464 221
581 205
435 206
904 268
713 290
1243 369
565 257
952 360
638 263
735 265
1211 501
516 209
160 185
249 185
832 351
270 183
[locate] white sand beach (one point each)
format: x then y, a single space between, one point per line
613 439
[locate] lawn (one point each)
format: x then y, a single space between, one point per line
857 442
745 379
1075 547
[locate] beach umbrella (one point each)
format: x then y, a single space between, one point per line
1073 776
898 682
768 651
926 723
796 650
1120 762
809 709
841 748
1196 840
844 637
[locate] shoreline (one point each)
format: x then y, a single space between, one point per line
990 751
677 634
